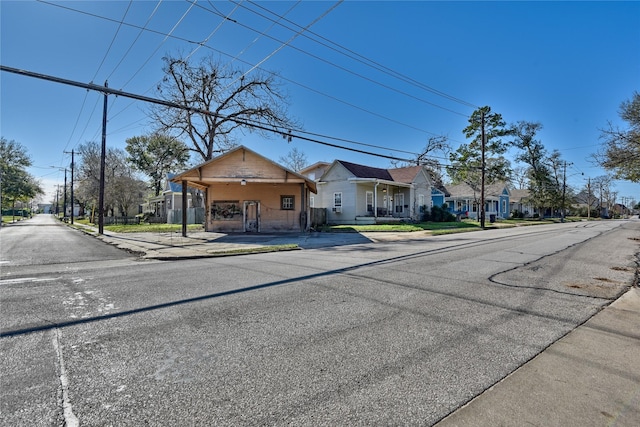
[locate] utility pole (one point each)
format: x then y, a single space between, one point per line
102 162
57 200
589 199
600 202
564 191
64 205
482 219
72 199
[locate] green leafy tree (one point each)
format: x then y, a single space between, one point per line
156 154
620 153
15 182
466 161
533 154
233 101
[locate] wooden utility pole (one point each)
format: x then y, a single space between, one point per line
72 199
72 203
102 162
564 191
589 199
481 210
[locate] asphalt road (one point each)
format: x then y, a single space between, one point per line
397 333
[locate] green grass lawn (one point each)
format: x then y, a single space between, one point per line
144 228
401 227
9 218
152 228
438 228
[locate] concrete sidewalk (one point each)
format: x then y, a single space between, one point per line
590 377
201 244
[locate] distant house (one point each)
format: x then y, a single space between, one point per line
359 194
464 201
246 192
438 196
314 172
167 207
520 202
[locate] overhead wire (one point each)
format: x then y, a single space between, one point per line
115 36
346 70
292 38
170 35
220 52
136 39
361 58
215 30
243 50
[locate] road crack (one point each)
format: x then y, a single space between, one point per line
70 420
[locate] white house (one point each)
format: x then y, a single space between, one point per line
359 194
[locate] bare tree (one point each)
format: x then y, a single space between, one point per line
295 160
232 101
620 152
603 190
435 148
123 189
520 177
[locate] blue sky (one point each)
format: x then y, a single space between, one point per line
567 65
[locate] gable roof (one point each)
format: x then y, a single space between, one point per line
407 174
465 190
174 187
194 177
316 165
362 171
518 195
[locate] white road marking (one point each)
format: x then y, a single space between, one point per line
69 417
27 280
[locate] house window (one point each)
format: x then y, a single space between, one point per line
337 202
369 197
421 202
311 202
286 203
504 206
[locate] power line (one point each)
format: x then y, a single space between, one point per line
259 35
109 91
113 39
244 62
361 58
136 39
386 86
297 34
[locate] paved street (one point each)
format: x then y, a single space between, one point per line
396 332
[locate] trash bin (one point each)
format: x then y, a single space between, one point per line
492 218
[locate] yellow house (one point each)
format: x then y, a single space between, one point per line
246 192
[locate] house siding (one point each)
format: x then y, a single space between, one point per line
349 202
241 176
272 217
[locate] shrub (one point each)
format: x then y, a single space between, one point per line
438 214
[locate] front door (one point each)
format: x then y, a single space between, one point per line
399 203
252 216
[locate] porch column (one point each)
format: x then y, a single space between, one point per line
303 208
184 208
